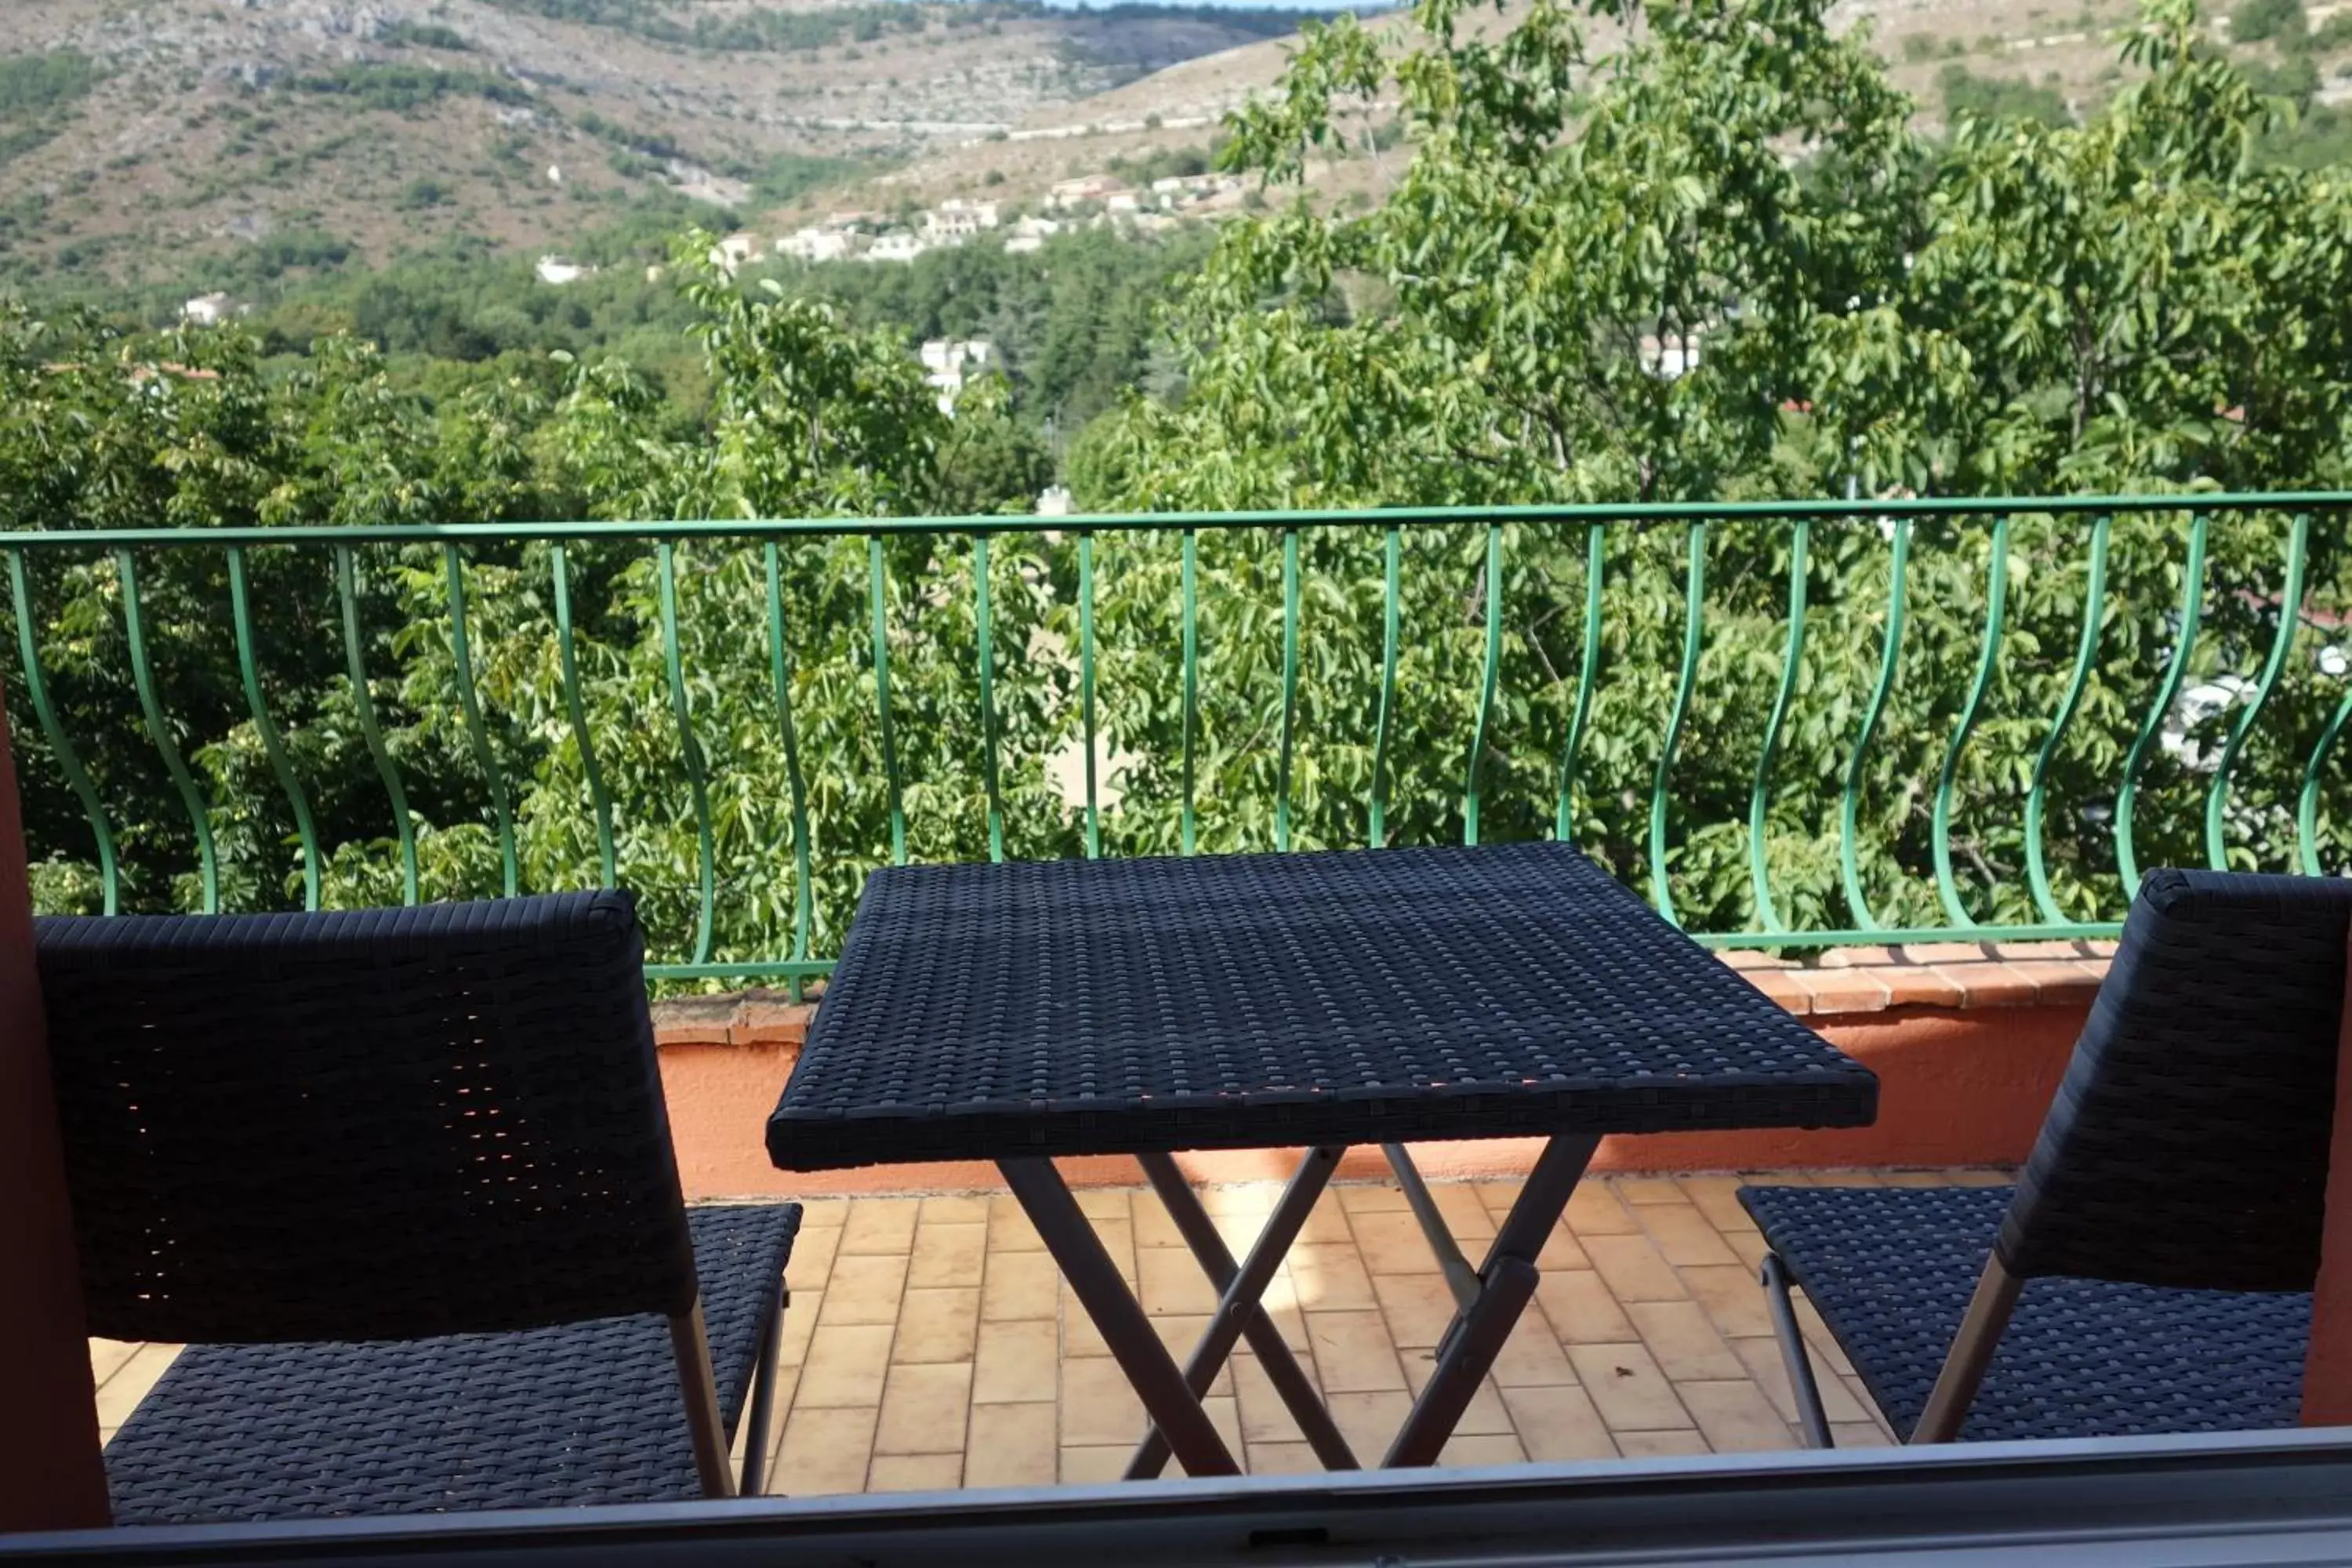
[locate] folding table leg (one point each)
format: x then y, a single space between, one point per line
1506 1280
1239 1307
1167 1398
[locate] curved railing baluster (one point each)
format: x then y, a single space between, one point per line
1086 683
1563 827
272 747
1693 597
143 676
364 700
2306 807
804 853
1987 661
2086 649
1377 801
987 635
1759 798
37 686
691 750
2217 794
469 705
568 662
1289 684
1890 660
2193 605
1190 571
1491 666
878 587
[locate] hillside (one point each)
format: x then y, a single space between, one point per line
139 137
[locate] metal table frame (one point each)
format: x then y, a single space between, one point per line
1489 1301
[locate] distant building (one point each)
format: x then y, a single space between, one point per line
1087 188
734 250
1036 228
1122 202
900 247
1054 500
208 310
955 220
1021 244
822 243
948 361
555 270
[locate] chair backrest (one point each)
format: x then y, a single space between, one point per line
365 1124
2188 1142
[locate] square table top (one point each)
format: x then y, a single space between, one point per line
1274 1001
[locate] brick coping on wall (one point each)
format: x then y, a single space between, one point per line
1961 975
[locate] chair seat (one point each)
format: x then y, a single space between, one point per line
587 1413
1891 1270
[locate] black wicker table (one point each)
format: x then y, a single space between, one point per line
1017 1012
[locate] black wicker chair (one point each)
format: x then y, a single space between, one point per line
405 1179
2152 1270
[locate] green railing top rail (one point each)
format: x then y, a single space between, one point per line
676 529
2270 611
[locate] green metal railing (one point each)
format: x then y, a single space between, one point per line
1879 542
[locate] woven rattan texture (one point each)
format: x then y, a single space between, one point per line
2188 1142
1890 1269
364 1124
1135 1006
547 1417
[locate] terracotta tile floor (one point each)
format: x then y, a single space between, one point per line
931 1345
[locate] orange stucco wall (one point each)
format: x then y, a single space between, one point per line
1956 1088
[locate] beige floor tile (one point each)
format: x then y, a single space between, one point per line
811 1259
1860 1434
1717 1197
845 1367
881 1226
1558 1423
1913 1179
1019 1285
865 1289
1182 1335
1577 1304
937 1326
1736 1416
1684 1341
1012 1445
823 1213
1100 1204
107 1357
1327 1222
1015 1363
1095 1466
1465 1216
1561 1250
1483 1417
1097 1405
924 1409
1352 1352
1530 1356
824 1452
1684 1236
947 1255
1634 1268
1009 1230
1371 1197
1817 1334
1647 1189
1264 1416
801 1314
1283 1459
1293 1325
1771 1373
130 1383
1750 1247
1594 1210
1240 1197
915 1473
1862 1398
1627 1387
1171 1284
1370 1421
954 1208
1499 1196
1154 1225
1224 1415
1470 1450
1661 1445
1980 1177
1390 1241
1418 1307
1329 1276
1733 1300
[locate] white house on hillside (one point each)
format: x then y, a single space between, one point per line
734 250
948 361
208 310
554 269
